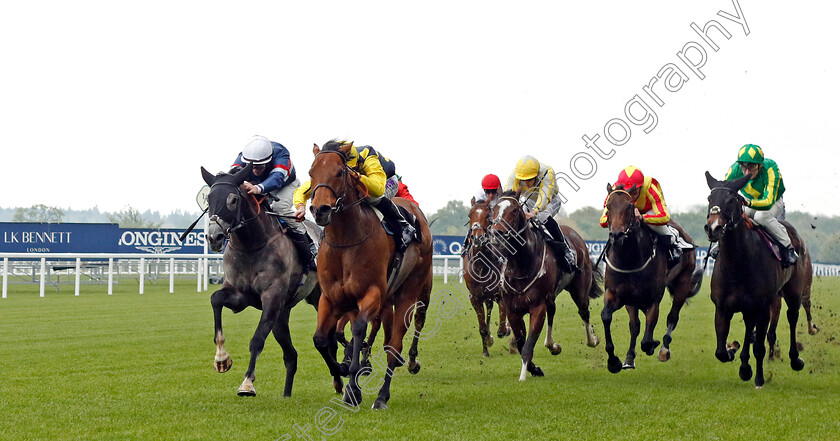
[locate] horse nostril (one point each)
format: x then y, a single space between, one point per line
323 209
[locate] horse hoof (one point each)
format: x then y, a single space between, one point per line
222 366
247 392
797 364
338 385
614 365
555 349
593 343
413 366
734 346
745 373
664 354
503 334
488 341
485 353
352 399
813 329
379 405
629 365
651 347
537 372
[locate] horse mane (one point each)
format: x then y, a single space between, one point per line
509 194
334 145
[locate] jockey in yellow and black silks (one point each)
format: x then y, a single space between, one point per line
378 174
538 188
763 195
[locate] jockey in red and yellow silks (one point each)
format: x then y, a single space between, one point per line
650 204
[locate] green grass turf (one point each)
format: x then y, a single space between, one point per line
139 367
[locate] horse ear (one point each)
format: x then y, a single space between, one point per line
710 181
634 191
208 177
610 188
346 147
241 175
472 201
316 149
738 183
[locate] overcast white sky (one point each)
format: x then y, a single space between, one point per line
111 104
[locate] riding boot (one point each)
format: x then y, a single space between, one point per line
559 244
674 255
789 256
305 248
403 231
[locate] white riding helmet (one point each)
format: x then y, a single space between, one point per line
258 151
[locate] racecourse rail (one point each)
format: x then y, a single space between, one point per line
45 268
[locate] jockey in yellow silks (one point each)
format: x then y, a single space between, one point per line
537 187
378 174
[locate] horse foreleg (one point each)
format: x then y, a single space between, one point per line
611 304
325 342
553 347
267 320
772 345
649 345
537 314
724 352
793 303
352 393
759 349
232 299
290 356
504 326
745 372
517 325
635 327
483 328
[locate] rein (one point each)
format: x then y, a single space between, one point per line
634 270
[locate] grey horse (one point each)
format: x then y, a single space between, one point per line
262 270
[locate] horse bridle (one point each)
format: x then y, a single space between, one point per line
238 222
338 206
630 225
715 209
507 233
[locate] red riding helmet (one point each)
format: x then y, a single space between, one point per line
491 182
630 176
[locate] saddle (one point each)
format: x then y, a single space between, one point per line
768 239
543 231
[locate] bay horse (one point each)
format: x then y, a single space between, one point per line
532 278
747 278
637 274
482 274
262 270
352 271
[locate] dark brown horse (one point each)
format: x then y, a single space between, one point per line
262 270
352 270
532 278
636 276
747 278
482 275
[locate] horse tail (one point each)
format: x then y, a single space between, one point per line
696 280
595 290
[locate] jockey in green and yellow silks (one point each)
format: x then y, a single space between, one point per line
378 174
763 194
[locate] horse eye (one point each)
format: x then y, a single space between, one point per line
339 174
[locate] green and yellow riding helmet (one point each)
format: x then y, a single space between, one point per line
751 153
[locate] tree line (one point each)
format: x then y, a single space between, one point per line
821 233
128 217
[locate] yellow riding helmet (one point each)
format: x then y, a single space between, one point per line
527 168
